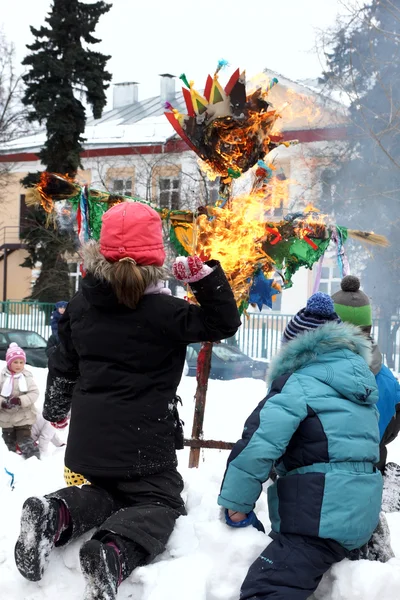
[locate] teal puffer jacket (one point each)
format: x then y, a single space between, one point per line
319 426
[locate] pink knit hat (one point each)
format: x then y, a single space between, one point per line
14 352
133 230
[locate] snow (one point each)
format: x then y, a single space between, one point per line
150 130
204 560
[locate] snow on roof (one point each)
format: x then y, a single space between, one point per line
140 123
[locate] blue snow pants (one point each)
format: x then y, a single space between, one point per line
291 567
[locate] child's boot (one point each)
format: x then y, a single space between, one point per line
42 522
101 566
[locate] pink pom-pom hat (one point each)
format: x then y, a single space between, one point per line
14 352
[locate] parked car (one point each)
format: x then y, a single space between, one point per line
30 341
227 362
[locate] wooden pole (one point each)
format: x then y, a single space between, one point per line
204 364
214 444
202 375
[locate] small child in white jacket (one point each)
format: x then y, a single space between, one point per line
43 433
18 394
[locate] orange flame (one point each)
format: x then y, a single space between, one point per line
48 188
234 235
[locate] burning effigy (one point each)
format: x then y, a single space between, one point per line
231 132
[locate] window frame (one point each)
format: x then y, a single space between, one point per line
170 191
127 190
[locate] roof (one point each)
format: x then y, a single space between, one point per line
132 113
139 124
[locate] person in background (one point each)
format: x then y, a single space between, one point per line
122 350
59 310
53 341
44 432
353 306
18 394
319 425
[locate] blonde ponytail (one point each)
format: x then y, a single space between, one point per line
127 279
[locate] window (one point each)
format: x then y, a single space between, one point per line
27 340
191 354
330 280
213 191
169 192
227 353
122 186
75 276
277 303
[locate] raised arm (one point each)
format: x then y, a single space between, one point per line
216 318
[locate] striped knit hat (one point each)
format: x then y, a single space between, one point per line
319 310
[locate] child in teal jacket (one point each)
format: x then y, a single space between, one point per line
319 426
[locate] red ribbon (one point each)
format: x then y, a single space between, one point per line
276 233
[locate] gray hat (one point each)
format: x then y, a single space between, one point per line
351 304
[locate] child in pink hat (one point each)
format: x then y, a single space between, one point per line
18 394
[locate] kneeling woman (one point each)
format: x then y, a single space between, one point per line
122 351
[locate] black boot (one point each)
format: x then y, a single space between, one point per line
101 567
42 522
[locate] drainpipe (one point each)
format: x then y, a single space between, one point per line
5 275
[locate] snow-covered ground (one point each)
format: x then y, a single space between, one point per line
205 560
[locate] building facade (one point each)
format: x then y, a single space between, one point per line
133 150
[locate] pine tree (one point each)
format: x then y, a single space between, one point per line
62 69
364 185
48 246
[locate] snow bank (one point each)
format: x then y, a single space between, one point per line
204 559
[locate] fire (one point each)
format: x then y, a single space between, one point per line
53 187
237 147
234 235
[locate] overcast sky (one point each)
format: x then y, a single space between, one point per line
148 37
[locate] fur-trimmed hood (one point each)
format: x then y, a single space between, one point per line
336 354
95 263
308 346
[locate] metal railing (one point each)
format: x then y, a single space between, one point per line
259 336
31 316
10 235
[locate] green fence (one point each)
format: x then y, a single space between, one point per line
261 333
32 316
259 337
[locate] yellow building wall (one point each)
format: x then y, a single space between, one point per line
19 279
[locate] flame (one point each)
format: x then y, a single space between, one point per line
298 106
234 236
235 145
53 187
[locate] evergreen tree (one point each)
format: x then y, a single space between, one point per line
62 68
48 246
364 185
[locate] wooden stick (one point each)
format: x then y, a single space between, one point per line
202 375
214 444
